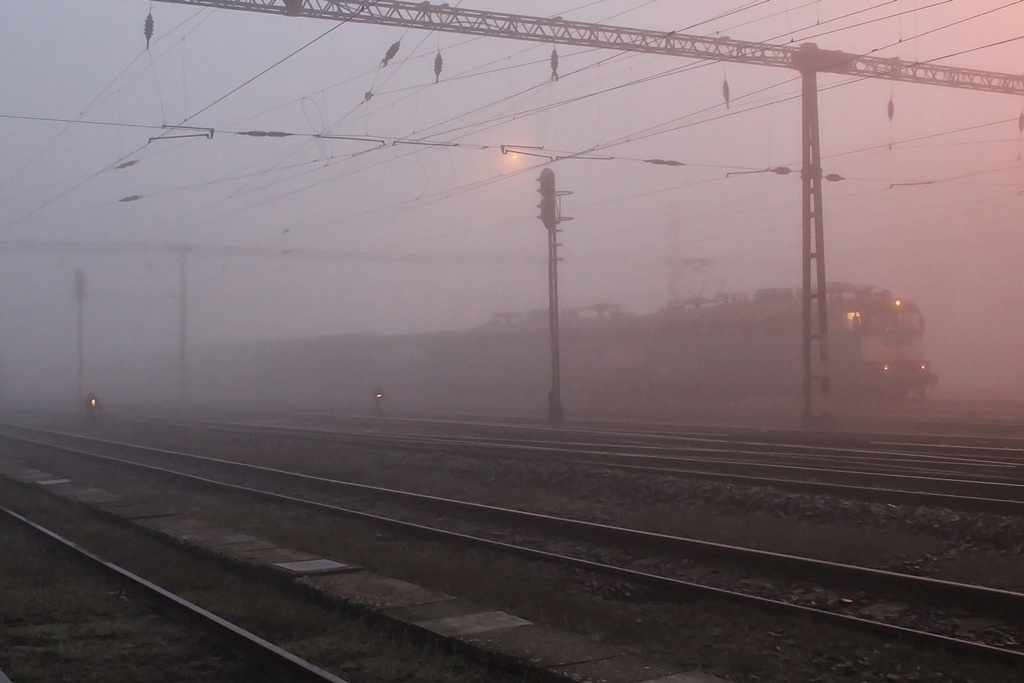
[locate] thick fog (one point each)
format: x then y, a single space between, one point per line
400 205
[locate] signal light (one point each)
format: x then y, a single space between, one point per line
548 205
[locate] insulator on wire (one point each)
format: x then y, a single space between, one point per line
554 64
368 95
392 51
148 30
891 110
725 92
1020 129
438 65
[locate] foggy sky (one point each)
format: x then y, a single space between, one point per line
931 205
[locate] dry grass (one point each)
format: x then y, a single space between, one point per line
60 621
351 646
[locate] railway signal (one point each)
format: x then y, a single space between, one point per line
547 198
550 215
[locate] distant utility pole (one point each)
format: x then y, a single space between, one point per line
183 327
551 216
80 296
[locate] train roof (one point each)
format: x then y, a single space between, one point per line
841 297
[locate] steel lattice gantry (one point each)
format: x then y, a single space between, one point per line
807 59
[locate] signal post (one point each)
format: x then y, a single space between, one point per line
551 215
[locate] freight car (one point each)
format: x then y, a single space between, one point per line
727 353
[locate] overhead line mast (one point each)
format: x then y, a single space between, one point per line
807 59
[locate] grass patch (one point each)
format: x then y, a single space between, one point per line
352 646
63 621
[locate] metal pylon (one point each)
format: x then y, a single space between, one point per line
817 410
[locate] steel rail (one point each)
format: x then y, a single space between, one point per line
279 659
790 564
853 456
906 460
867 489
673 441
661 430
1005 599
977 493
1011 449
934 471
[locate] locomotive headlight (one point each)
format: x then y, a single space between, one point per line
885 367
924 366
898 302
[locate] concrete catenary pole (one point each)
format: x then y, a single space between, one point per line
183 327
80 297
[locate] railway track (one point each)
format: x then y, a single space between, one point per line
975 478
937 431
845 453
933 420
795 584
280 664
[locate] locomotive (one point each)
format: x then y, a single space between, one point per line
727 353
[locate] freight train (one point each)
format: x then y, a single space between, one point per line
730 352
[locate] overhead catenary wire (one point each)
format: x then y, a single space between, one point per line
428 198
209 105
97 99
877 48
187 118
606 59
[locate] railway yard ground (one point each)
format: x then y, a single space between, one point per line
760 556
65 622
